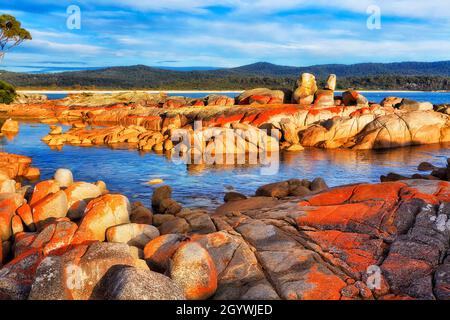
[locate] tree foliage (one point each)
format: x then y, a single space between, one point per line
7 92
11 33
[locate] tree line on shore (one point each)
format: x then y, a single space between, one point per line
168 80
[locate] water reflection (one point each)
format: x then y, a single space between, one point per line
127 170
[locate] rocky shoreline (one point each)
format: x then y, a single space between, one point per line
297 239
306 117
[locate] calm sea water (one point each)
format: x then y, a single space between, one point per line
127 171
434 97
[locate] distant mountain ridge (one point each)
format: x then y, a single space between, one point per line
371 76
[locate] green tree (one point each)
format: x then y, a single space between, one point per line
11 33
7 92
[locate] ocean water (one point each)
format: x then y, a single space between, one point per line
128 171
433 97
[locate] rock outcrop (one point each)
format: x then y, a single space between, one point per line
296 239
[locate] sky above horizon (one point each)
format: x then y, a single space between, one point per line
226 33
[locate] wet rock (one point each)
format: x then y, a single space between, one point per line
247 204
141 215
318 184
129 283
176 225
169 206
200 222
233 196
160 194
194 270
275 190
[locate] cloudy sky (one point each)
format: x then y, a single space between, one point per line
227 33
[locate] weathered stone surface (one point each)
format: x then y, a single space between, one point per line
400 228
130 283
260 96
10 126
102 213
160 250
233 196
140 214
194 270
75 274
307 87
411 105
133 234
64 177
51 207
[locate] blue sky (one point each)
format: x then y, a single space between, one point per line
227 33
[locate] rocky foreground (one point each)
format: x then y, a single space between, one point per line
296 239
306 117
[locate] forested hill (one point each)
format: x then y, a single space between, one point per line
369 76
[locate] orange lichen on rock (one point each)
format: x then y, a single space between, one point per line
357 251
324 286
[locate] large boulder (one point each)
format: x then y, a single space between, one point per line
194 270
130 283
133 234
64 177
306 89
102 213
159 251
9 203
261 96
51 207
411 105
354 98
324 99
10 126
81 191
331 82
412 128
219 100
43 189
75 274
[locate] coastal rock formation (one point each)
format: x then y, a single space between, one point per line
15 166
10 126
306 89
296 239
260 96
436 173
